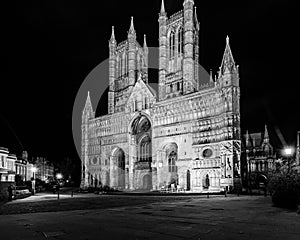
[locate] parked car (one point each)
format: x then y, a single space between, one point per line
21 192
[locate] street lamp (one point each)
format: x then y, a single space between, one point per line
34 170
288 152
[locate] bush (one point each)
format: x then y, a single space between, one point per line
284 185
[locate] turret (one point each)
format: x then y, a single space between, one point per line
146 54
132 53
112 71
162 51
188 61
196 44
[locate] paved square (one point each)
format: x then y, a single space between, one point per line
157 217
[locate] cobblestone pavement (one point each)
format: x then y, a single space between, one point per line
156 217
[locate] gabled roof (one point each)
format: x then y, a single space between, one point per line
140 84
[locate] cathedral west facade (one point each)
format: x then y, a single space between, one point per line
184 134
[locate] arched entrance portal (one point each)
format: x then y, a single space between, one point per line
119 160
142 144
171 176
147 183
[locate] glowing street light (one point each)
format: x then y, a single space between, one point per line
59 176
288 151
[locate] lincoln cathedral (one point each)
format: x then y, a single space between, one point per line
185 134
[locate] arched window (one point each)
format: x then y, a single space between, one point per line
172 45
172 162
145 149
120 66
180 41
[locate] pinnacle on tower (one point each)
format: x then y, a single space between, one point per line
145 42
113 38
211 77
162 9
88 102
196 18
131 29
266 135
228 64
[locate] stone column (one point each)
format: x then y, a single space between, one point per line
154 178
126 178
131 155
111 172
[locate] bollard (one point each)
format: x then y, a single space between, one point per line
72 193
207 194
225 192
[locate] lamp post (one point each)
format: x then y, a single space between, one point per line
34 170
288 152
58 177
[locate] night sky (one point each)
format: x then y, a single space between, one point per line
49 49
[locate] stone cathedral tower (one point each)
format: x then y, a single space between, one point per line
178 51
127 61
186 134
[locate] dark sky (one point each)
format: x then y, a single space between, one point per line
50 47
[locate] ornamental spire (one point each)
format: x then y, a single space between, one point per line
266 135
228 64
112 38
145 41
88 103
162 9
196 18
88 109
211 77
131 29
